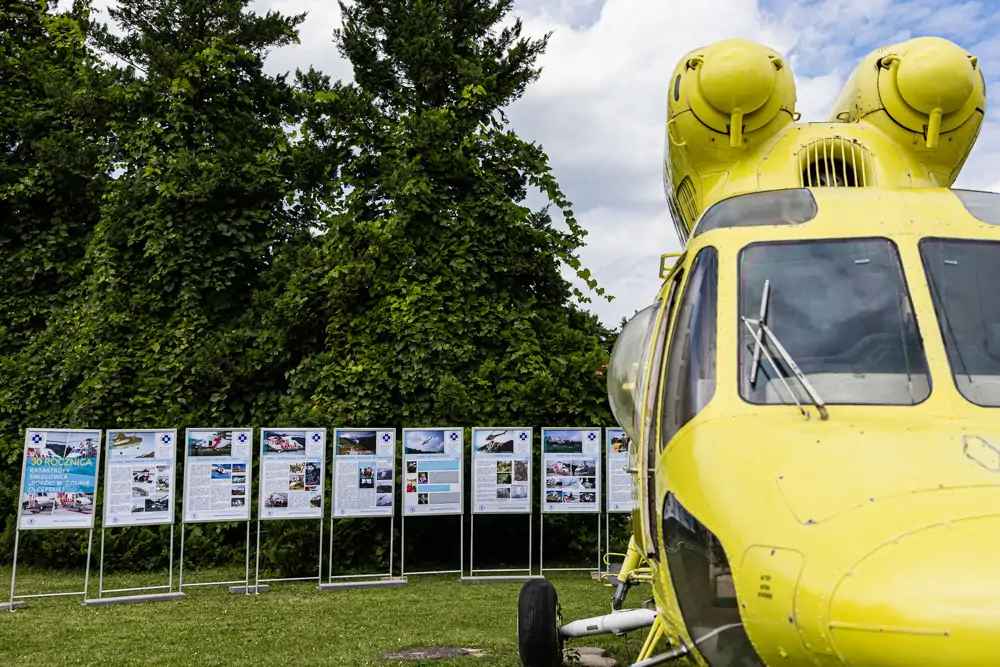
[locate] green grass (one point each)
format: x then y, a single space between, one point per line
293 624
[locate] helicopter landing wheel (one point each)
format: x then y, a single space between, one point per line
539 643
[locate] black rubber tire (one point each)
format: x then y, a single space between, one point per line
538 641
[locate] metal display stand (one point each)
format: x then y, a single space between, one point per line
245 583
171 594
32 437
541 528
342 581
541 544
244 435
608 511
13 604
460 514
501 575
257 588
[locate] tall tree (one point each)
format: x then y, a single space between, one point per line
165 329
443 295
53 123
438 292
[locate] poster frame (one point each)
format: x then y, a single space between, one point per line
257 588
541 514
173 481
608 511
244 585
511 574
460 514
133 596
16 602
373 580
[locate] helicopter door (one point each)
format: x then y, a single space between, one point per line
651 405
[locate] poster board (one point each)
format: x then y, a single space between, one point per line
571 470
364 461
292 462
59 478
139 477
217 474
619 482
432 470
501 470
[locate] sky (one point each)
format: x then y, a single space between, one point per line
598 109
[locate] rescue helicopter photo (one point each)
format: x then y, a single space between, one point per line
812 396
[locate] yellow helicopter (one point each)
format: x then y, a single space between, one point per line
813 397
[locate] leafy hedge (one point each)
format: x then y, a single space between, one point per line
189 241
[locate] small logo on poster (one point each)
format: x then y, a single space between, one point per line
165 438
317 437
386 437
524 436
243 437
592 436
36 438
454 436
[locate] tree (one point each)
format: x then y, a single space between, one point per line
52 125
165 327
439 292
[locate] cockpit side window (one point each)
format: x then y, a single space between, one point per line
689 383
962 276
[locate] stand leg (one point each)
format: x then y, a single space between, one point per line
13 570
86 576
319 574
180 568
100 580
256 575
246 574
472 545
170 572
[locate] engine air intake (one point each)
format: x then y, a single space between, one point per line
836 162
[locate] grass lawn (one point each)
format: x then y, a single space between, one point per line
293 624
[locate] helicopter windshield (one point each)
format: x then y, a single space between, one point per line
962 276
842 311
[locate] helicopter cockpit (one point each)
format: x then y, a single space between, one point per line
821 320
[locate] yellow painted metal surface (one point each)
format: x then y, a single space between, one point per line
871 539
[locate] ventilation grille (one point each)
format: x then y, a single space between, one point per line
836 163
688 202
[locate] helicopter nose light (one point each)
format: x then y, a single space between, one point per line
928 598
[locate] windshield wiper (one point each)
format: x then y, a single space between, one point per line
760 347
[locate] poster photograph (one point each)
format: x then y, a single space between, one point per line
432 465
59 478
619 490
217 474
291 473
363 471
501 470
571 470
139 477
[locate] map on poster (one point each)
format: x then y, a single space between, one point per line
363 480
432 460
571 461
139 477
59 479
217 474
501 470
620 482
291 473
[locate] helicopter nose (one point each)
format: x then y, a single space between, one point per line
928 598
